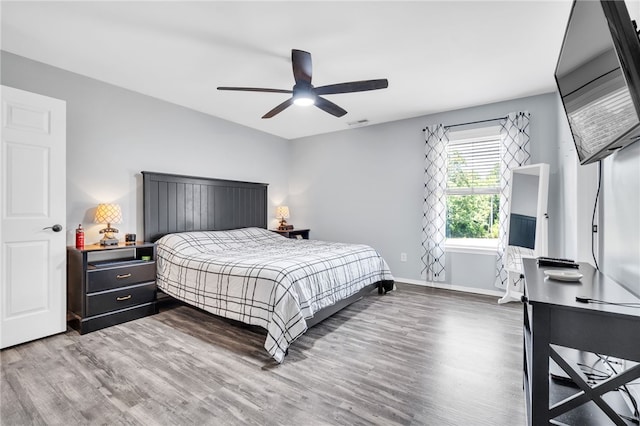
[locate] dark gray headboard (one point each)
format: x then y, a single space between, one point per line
175 203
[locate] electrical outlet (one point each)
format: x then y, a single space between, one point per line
403 257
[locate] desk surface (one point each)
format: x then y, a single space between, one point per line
593 285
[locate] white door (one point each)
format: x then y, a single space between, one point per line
33 199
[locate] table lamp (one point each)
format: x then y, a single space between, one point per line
108 213
282 213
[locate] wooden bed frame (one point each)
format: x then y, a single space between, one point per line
177 203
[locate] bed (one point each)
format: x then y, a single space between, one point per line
215 253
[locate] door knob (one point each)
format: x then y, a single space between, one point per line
55 228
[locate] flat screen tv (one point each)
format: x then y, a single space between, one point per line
598 77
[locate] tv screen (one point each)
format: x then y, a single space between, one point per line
598 77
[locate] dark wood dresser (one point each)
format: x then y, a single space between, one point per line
109 285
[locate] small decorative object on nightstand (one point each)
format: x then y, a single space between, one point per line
108 213
298 234
109 285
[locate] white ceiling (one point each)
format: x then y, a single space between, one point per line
437 55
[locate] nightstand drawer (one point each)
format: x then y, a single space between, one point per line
293 233
105 279
121 298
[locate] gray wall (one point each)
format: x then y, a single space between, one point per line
360 185
113 134
578 186
620 252
365 185
617 244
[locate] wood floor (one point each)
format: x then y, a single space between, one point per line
415 356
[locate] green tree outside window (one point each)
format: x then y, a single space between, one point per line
471 214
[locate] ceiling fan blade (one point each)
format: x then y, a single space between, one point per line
286 104
302 68
329 107
353 86
255 89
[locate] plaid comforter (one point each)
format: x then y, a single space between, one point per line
260 278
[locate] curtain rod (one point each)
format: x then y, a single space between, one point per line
472 122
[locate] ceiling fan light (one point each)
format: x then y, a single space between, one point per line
304 100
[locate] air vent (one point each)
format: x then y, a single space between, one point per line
358 123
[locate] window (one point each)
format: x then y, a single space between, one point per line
473 188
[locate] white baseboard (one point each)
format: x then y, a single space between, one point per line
451 287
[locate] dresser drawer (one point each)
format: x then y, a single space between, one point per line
121 298
111 278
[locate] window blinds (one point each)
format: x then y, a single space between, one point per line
473 166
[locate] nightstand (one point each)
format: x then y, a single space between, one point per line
294 233
109 285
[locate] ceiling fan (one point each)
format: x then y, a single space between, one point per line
303 92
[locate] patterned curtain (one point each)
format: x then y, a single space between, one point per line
514 152
434 208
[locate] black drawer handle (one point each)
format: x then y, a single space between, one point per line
123 276
120 299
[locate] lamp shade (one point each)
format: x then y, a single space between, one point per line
108 213
282 212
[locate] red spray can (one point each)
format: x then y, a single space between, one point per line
79 237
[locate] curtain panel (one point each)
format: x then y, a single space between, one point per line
434 208
515 151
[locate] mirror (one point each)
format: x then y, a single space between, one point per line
527 231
